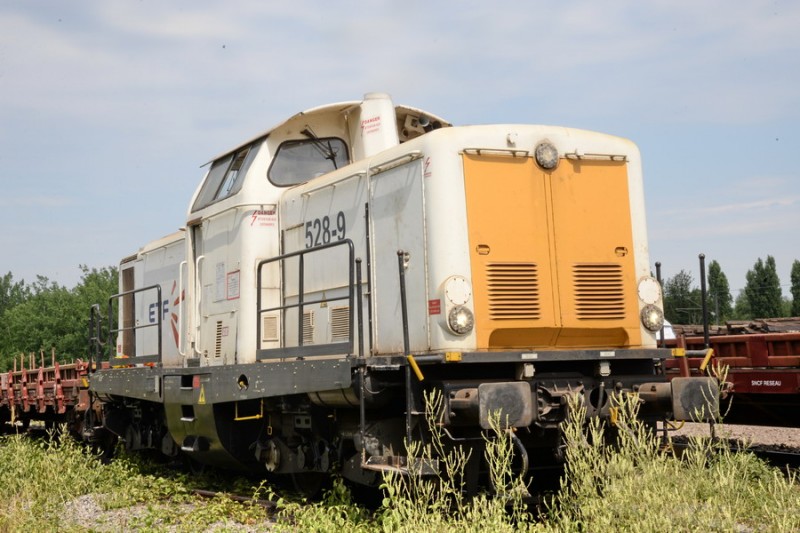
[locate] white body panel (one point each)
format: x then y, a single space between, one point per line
157 264
420 206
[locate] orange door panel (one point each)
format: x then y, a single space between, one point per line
595 256
552 253
509 236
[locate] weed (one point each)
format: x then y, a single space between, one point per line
618 478
635 485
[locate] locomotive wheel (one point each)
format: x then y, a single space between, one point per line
105 445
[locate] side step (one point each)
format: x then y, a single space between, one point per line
193 444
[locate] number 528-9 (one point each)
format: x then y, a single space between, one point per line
320 230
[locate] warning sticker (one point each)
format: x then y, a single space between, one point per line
371 125
265 218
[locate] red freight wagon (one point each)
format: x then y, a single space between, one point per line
764 369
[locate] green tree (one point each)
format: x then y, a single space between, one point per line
741 309
720 301
11 293
96 287
763 289
795 277
786 306
682 300
54 317
39 323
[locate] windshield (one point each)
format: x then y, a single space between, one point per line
298 161
225 177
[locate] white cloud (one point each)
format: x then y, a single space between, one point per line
667 61
171 21
741 209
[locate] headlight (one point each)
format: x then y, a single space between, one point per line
460 320
652 317
649 290
546 155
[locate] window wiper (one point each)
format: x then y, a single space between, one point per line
326 150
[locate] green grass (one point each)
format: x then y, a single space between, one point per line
634 485
638 486
41 478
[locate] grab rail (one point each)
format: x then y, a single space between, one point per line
331 348
96 343
149 359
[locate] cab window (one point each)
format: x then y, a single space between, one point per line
298 161
225 177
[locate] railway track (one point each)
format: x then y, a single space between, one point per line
269 505
783 459
782 456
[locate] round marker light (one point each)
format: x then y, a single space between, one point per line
546 155
460 320
649 290
457 290
652 318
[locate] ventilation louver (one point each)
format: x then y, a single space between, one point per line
513 291
599 291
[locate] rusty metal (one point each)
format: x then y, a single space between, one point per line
45 392
267 504
763 370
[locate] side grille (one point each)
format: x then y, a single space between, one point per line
340 324
269 328
513 291
218 339
308 327
598 291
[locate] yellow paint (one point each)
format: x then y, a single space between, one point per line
678 352
258 416
415 367
452 357
706 359
552 253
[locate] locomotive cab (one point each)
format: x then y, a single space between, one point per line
234 220
233 223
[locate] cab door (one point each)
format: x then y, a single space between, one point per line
398 225
215 252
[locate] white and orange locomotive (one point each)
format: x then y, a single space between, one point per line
339 265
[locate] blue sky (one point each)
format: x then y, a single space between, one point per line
108 108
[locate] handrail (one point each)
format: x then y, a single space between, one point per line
181 296
95 336
401 266
395 162
198 296
318 349
508 152
137 359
